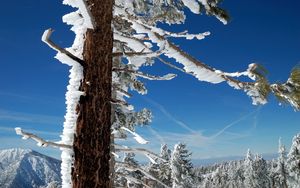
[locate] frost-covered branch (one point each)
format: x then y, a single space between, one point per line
46 39
257 88
136 168
137 137
122 91
141 53
40 141
171 65
143 151
146 76
119 102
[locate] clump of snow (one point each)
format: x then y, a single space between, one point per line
192 5
84 11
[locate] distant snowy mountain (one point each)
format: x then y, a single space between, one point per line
24 168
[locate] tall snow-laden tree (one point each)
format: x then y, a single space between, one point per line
113 40
260 173
164 174
162 168
181 167
248 170
280 172
293 163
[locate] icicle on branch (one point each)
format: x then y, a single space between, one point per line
46 39
40 141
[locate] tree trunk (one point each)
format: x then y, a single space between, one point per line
92 140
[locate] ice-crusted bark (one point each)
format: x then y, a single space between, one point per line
92 140
80 21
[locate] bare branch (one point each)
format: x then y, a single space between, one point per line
46 39
40 141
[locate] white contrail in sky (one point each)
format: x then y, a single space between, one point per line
237 121
170 116
186 127
156 134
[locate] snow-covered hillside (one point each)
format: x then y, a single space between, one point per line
24 168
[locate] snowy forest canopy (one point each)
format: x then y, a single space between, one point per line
177 171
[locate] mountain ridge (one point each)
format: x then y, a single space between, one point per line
25 168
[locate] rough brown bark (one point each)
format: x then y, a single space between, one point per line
92 140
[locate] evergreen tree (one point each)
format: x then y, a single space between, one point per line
248 170
260 173
293 163
181 167
162 169
280 171
164 172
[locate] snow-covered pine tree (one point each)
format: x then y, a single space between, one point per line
218 177
162 169
248 170
134 177
293 163
280 172
113 40
181 167
260 173
164 173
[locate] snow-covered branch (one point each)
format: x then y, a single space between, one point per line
136 168
46 39
118 89
84 11
143 151
141 53
136 136
40 141
119 102
146 76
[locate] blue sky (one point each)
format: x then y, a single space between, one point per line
214 120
